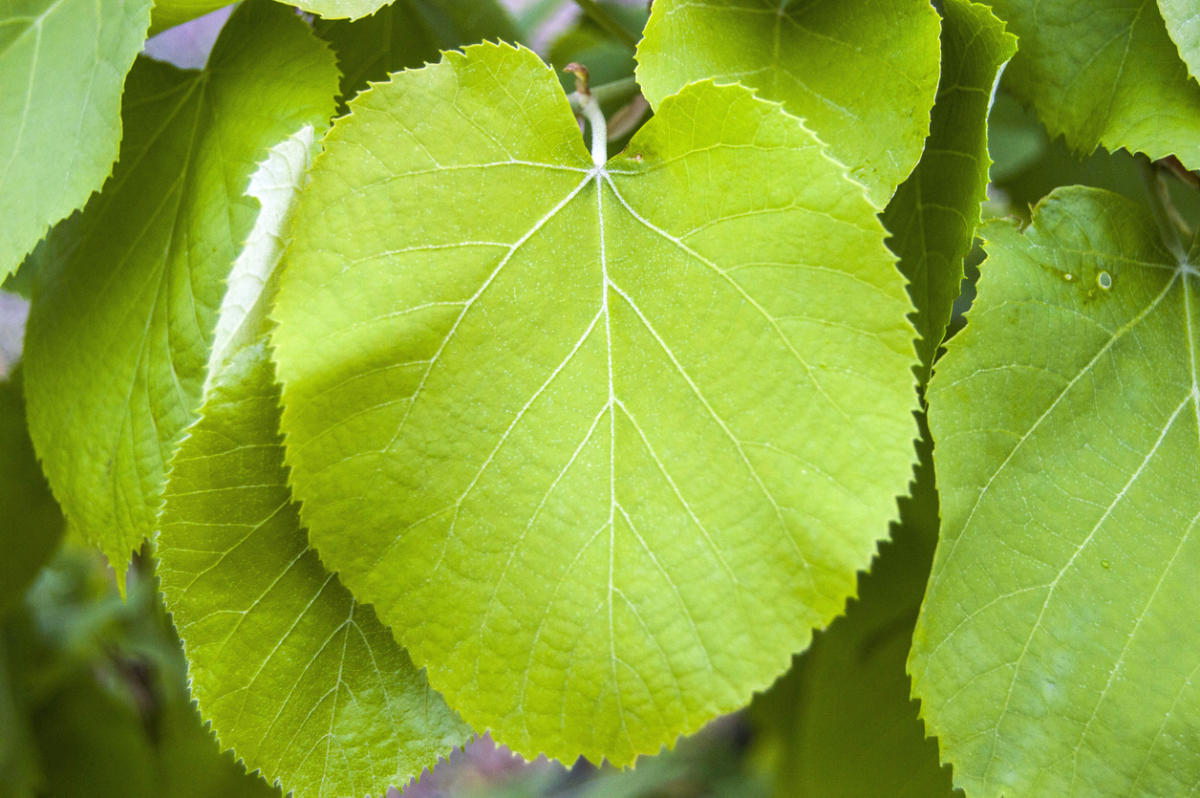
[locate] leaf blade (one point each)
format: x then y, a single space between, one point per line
934 213
528 619
1102 79
123 313
863 75
253 604
62 133
1084 564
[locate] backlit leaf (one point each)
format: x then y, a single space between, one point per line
301 681
62 67
861 73
1058 646
125 305
611 440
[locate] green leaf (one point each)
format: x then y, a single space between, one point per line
302 682
345 9
935 212
1057 646
1183 26
32 524
409 33
841 723
1106 77
62 67
608 440
862 73
124 309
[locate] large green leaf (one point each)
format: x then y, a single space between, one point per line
1104 73
1058 644
609 440
62 67
124 307
841 724
1183 26
409 33
935 212
302 682
32 523
862 73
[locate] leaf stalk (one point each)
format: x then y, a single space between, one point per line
589 107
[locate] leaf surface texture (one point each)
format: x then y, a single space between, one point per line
1104 73
62 68
300 680
935 211
124 308
1056 652
863 74
610 442
1183 25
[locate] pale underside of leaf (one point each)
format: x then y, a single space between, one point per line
863 74
1104 73
124 308
301 681
1057 649
609 440
62 68
250 286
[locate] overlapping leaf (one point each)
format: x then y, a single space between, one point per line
1104 73
301 681
124 308
62 67
612 440
1057 648
842 724
1183 26
935 212
862 73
